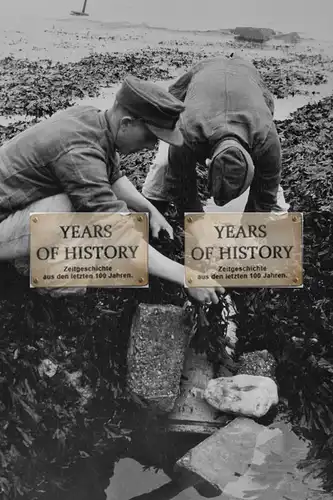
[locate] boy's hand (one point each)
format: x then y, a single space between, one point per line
206 295
158 223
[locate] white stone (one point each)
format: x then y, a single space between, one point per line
48 368
246 395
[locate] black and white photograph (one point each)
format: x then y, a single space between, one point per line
183 121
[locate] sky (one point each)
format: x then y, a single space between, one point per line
310 16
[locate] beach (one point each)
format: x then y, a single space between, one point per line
309 18
69 39
67 448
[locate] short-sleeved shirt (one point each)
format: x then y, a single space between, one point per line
71 152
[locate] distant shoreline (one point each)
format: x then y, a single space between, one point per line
118 25
125 24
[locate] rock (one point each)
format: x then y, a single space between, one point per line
260 363
248 460
227 455
22 266
254 34
47 368
156 353
192 414
292 37
247 395
74 379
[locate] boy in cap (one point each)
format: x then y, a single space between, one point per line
227 126
70 162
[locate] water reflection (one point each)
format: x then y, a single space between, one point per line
144 485
143 470
283 107
147 471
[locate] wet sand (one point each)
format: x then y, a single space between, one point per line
71 38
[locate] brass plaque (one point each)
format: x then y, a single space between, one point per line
244 250
89 250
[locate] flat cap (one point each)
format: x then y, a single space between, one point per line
155 106
231 171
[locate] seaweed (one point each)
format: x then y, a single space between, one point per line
63 402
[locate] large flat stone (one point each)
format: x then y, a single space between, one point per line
158 340
225 456
254 34
246 395
192 414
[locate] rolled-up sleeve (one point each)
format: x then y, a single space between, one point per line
83 176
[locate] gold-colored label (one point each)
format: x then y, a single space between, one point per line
243 250
89 250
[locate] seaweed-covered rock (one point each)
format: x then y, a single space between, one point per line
254 34
260 363
159 337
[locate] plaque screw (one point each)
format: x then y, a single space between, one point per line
189 219
35 281
141 280
190 280
295 280
139 218
294 218
35 219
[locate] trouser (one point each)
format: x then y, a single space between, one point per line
166 179
15 237
172 177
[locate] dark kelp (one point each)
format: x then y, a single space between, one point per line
76 413
39 88
299 321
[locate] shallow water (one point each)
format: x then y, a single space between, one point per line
283 107
275 477
7 120
140 482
